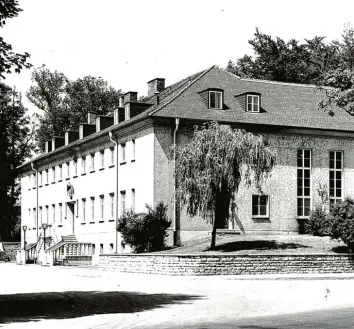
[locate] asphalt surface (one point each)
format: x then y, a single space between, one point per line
41 297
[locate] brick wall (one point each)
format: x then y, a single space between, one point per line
228 265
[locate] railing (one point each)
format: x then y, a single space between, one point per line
72 249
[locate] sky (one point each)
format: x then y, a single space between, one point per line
131 42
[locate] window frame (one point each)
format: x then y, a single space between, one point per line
133 150
53 213
252 103
123 153
221 99
112 204
303 196
259 205
60 213
335 199
83 206
123 201
92 209
102 207
83 164
133 199
102 152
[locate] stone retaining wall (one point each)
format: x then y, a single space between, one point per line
228 265
11 248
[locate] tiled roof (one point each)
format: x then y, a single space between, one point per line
283 104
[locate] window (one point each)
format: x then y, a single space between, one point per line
92 208
102 158
122 201
60 172
60 212
101 248
303 182
335 176
92 161
40 179
46 176
29 215
40 216
112 155
83 164
83 210
53 174
53 213
34 217
215 100
252 103
47 214
102 206
133 199
68 169
111 202
111 247
133 149
75 167
122 152
260 206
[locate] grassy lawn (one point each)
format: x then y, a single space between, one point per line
262 244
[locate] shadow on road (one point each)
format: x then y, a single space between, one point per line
72 304
257 245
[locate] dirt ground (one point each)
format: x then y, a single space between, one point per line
32 296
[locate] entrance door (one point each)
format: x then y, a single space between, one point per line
71 216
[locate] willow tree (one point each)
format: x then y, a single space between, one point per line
210 168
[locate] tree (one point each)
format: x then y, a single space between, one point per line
65 104
209 170
16 144
341 77
290 61
10 60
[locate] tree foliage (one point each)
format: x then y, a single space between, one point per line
145 232
65 103
312 62
209 170
9 60
16 144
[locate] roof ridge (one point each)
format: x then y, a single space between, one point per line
182 90
295 84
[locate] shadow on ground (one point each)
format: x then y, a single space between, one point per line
73 304
256 245
341 250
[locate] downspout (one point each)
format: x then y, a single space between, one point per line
116 205
36 170
175 233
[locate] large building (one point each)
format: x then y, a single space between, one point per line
87 178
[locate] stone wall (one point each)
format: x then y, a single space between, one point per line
228 265
10 249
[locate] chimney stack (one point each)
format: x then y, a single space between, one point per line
156 85
48 146
130 96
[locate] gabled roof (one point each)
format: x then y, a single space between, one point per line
283 104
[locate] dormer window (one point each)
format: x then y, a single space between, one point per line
253 103
215 99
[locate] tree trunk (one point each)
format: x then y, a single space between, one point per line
213 234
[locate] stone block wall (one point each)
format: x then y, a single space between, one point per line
228 265
10 249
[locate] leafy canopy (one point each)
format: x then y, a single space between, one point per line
10 60
65 103
215 161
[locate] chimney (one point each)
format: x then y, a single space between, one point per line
48 146
103 122
57 142
156 85
86 129
130 96
91 118
121 101
71 136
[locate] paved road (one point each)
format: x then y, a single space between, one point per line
41 297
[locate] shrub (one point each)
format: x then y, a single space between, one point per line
342 218
318 223
145 232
